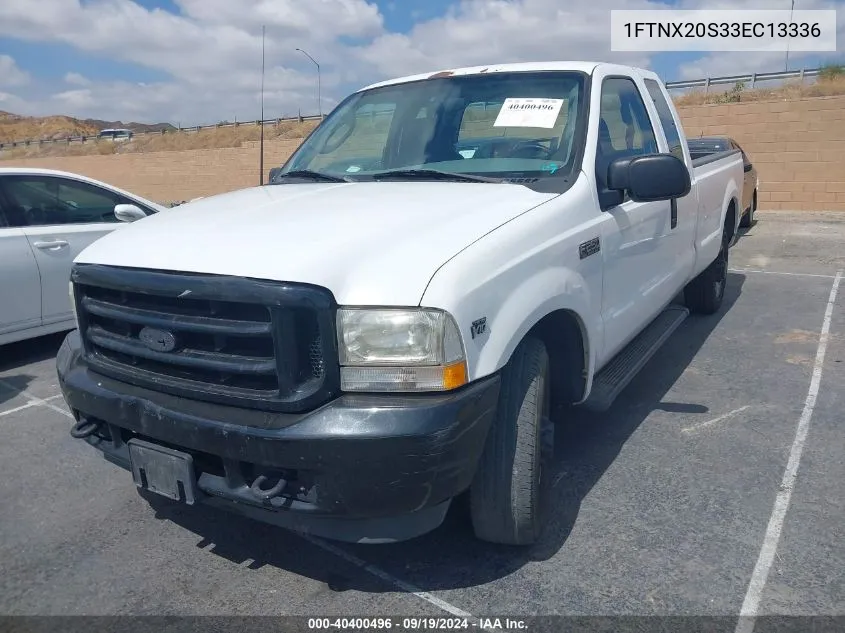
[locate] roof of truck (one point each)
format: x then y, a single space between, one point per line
579 66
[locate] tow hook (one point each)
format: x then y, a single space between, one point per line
269 493
84 427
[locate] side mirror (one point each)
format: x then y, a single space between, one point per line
274 171
650 177
128 212
748 167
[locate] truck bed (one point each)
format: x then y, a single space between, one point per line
702 157
715 174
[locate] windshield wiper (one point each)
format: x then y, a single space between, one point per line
311 175
430 174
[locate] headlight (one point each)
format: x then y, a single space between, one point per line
399 350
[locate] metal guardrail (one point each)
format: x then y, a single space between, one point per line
751 79
181 130
705 83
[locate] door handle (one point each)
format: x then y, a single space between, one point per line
48 246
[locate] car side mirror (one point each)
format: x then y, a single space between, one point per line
274 171
128 212
650 177
748 167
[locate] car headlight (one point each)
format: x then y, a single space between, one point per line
389 349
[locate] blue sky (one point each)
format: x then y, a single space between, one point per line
197 61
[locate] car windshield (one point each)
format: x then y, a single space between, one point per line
503 126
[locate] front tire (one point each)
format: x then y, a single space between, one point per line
705 293
509 495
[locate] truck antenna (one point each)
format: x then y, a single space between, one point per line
261 123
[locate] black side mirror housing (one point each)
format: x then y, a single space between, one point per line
650 177
748 167
274 171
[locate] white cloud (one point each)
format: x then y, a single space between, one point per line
206 59
10 74
320 20
11 103
76 99
496 31
209 56
75 79
724 64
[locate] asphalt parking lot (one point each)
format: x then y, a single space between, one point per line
673 503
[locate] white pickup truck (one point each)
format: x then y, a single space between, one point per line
388 324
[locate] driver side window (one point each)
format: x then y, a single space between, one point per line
624 127
45 200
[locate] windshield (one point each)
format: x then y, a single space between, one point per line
512 126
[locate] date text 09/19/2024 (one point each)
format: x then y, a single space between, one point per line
416 624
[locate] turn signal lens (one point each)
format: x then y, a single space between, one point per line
455 375
403 379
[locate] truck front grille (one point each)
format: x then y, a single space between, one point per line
224 339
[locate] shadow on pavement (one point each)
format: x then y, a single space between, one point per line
12 385
20 354
451 557
33 350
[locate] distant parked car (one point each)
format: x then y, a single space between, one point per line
116 135
710 144
46 218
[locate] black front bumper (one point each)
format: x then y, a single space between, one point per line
361 468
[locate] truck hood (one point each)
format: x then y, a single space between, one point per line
369 243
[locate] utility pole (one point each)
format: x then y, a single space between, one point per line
319 99
261 124
791 11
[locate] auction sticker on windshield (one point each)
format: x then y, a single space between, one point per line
521 112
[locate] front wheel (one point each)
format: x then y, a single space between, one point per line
705 293
509 495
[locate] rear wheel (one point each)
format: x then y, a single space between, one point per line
705 293
509 495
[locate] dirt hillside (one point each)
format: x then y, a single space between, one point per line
14 127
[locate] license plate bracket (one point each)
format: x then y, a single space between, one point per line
164 471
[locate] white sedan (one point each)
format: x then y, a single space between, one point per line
46 218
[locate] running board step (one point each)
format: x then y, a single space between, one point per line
611 380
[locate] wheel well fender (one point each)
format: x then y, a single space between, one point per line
553 305
730 217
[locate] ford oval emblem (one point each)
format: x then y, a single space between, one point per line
157 340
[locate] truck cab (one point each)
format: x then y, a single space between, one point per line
389 323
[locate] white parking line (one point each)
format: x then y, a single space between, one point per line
396 582
20 408
350 558
33 401
753 596
757 584
778 272
703 425
371 569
